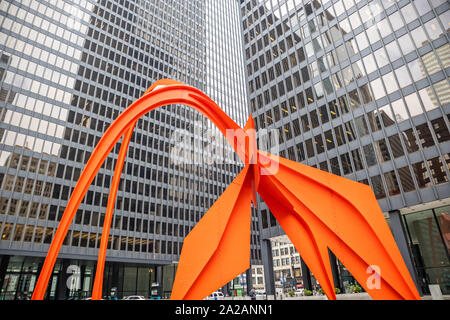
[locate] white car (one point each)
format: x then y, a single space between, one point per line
299 292
134 298
217 295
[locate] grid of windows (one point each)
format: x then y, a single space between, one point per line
356 88
67 69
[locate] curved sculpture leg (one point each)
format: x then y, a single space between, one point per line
98 281
161 93
218 247
342 215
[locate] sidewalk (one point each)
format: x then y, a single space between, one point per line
344 296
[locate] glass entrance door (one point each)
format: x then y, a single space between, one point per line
428 233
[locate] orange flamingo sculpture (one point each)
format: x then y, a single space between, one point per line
318 211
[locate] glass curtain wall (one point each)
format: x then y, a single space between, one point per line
429 236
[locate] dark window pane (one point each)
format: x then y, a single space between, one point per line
392 183
410 141
334 162
396 146
319 143
420 171
346 163
406 179
309 148
369 155
441 130
329 140
377 187
425 137
357 161
437 170
383 150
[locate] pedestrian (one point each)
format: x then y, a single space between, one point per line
253 294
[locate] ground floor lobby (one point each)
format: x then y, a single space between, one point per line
73 279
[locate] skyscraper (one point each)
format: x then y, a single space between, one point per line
360 89
67 70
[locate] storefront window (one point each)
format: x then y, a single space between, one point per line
426 232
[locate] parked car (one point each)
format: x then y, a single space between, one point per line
217 295
134 298
299 292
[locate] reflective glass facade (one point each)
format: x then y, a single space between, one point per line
356 88
428 234
67 69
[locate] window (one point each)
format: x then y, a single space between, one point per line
396 20
339 133
346 163
393 51
406 45
390 83
309 96
425 137
403 76
410 140
432 65
419 37
309 148
369 155
396 146
413 104
440 129
305 74
377 187
361 126
381 57
437 170
406 179
354 20
392 183
409 14
335 169
369 63
384 28
372 34
428 98
356 156
377 89
319 144
416 68
362 41
383 150
421 174
318 88
329 140
441 89
433 29
300 152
